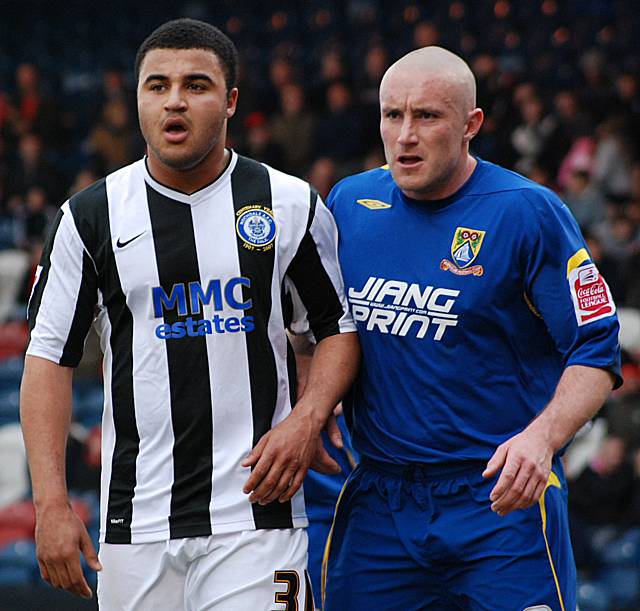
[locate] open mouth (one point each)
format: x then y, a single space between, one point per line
175 130
409 159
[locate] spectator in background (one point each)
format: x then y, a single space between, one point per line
83 179
608 266
376 62
37 215
601 501
281 73
31 168
596 92
617 234
112 141
259 142
333 68
425 34
323 174
293 129
613 157
532 137
585 202
35 111
339 132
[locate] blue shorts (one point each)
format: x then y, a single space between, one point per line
421 538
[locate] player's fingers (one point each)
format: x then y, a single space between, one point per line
44 573
333 432
324 463
296 482
505 481
280 488
529 497
337 410
77 584
512 496
258 473
253 457
267 483
89 552
540 488
496 461
54 578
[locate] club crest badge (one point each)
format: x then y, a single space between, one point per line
256 227
465 247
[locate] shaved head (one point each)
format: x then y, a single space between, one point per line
428 116
436 63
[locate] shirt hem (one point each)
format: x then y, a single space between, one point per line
204 529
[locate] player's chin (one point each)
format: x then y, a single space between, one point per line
180 158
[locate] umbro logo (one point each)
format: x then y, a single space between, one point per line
373 204
121 244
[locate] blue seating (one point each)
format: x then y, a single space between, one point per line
593 597
11 372
18 563
9 406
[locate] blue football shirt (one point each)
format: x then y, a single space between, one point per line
468 311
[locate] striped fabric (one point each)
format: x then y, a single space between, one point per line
191 295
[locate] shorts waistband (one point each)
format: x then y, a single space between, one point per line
424 471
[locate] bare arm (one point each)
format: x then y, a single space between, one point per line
323 462
525 459
45 412
282 456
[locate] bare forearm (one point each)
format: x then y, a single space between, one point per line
333 367
45 411
579 395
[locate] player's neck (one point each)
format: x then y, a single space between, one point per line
193 179
453 183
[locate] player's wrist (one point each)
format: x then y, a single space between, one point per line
317 418
50 502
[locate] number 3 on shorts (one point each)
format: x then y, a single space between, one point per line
290 596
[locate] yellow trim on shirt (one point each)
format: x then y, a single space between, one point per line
552 481
577 260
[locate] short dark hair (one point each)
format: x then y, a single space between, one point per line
192 34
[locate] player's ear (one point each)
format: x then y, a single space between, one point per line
232 101
475 119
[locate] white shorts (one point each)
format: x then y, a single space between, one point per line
252 570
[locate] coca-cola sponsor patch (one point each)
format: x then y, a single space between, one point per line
590 294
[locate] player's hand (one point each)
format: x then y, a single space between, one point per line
281 458
525 460
323 462
333 430
60 539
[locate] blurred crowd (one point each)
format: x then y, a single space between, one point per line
559 82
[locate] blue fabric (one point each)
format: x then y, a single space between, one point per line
321 492
463 342
426 539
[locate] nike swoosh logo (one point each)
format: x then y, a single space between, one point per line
120 244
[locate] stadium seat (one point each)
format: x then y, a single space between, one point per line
18 563
11 372
9 406
622 584
593 597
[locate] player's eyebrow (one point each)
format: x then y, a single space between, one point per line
196 76
156 77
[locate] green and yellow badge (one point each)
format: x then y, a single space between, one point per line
465 247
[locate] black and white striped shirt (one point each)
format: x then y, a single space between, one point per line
191 295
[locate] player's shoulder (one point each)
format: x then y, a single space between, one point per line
369 186
94 197
284 187
513 188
